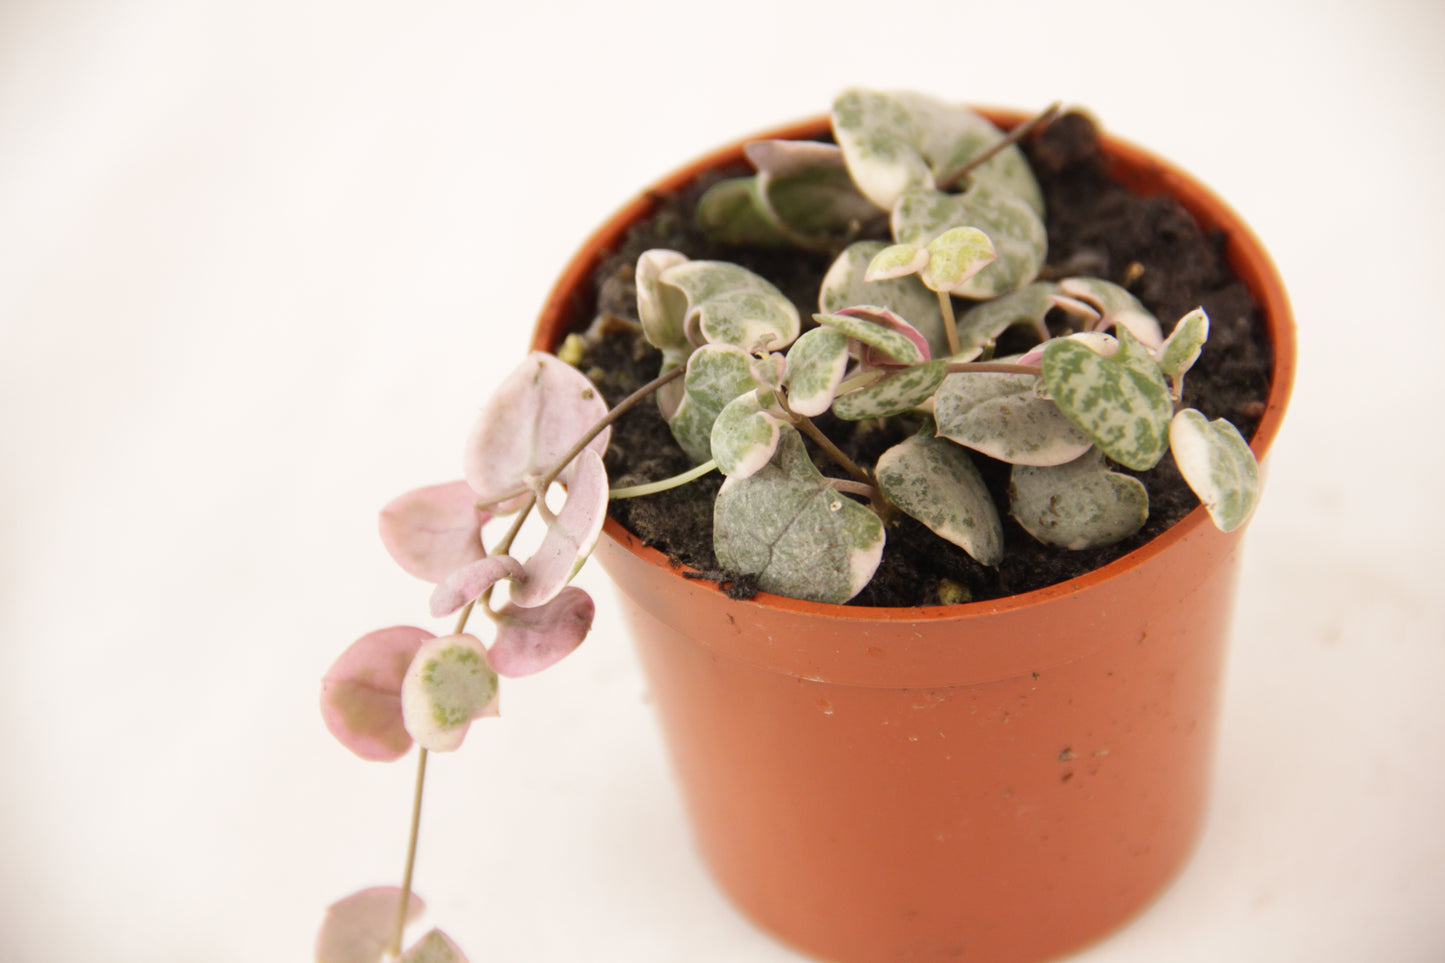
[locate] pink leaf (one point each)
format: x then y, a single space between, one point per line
434 947
358 927
530 640
535 416
449 683
470 581
570 536
361 693
432 532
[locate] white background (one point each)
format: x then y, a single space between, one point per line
260 261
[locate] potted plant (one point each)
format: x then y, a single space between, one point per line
1001 778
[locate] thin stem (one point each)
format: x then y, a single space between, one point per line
622 407
652 488
1014 136
950 325
853 488
410 853
996 367
807 427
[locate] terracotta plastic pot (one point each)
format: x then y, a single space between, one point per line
996 781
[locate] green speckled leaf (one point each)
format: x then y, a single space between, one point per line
788 526
745 435
1116 306
804 186
1019 236
845 285
1081 504
728 304
1218 464
1121 401
732 212
1181 349
895 394
716 374
954 257
935 481
449 683
894 141
1001 416
890 343
816 364
981 325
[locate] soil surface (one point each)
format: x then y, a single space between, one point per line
1149 245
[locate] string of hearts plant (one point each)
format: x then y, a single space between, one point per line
741 384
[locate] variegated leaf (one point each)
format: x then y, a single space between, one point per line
661 309
530 640
728 304
816 364
1218 464
846 285
716 374
1019 236
980 326
449 684
877 331
788 526
894 141
732 212
896 261
361 693
1181 349
1116 306
1120 401
804 186
901 391
1081 504
434 947
954 257
935 481
745 435
1001 416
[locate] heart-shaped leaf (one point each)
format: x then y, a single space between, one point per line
732 212
1019 237
571 535
361 693
1117 308
434 947
1181 349
530 640
804 186
449 683
468 583
894 141
980 326
536 414
431 532
1078 505
745 434
1120 401
716 374
357 928
935 481
1218 464
1003 417
902 391
728 304
893 339
846 285
790 527
816 364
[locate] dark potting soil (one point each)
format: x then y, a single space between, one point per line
1149 245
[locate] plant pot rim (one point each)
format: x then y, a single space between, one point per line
1140 171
